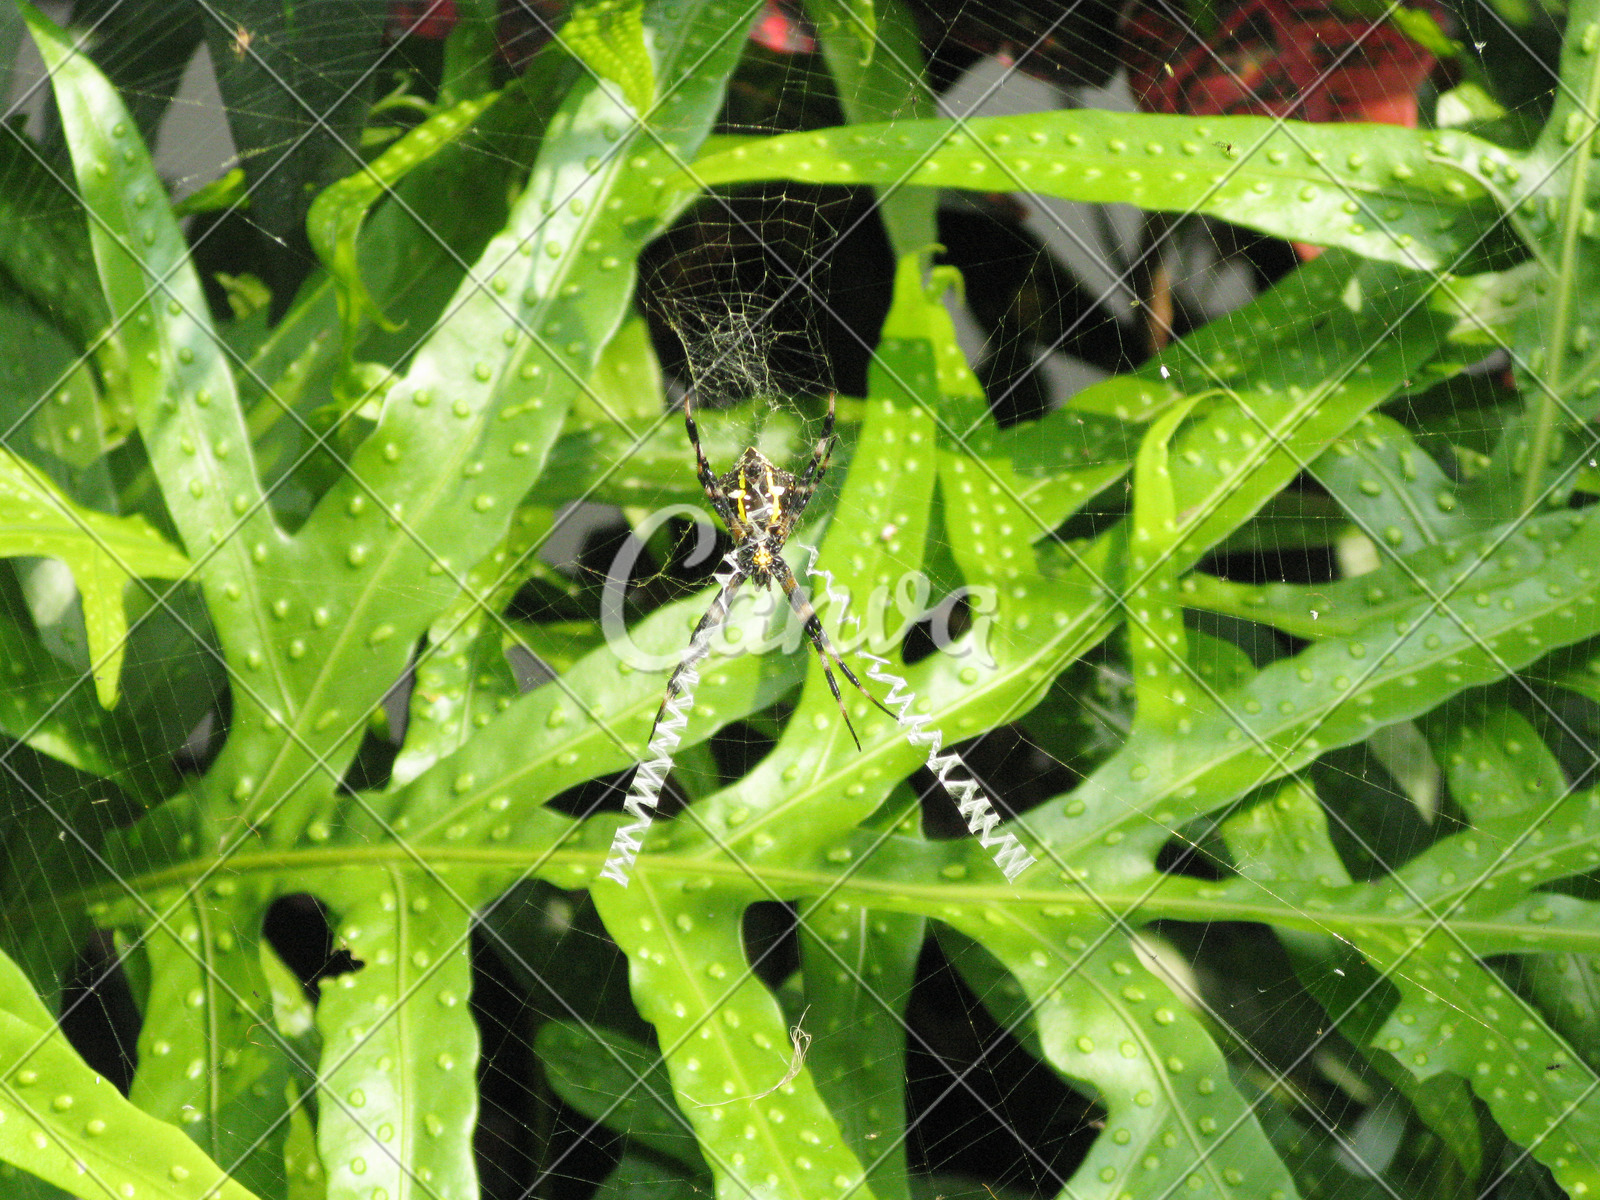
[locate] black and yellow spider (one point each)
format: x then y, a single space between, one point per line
760 504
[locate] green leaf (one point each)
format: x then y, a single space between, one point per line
1156 635
103 553
1422 27
609 37
546 741
1342 608
67 1125
1496 763
1376 190
1466 104
296 86
858 968
467 681
1461 1019
52 389
1389 669
398 1079
45 248
479 404
1547 194
469 52
1567 989
1057 464
1349 991
639 1177
611 1078
337 213
725 1040
225 193
881 87
179 379
1173 1114
1392 489
209 1062
1426 927
302 1167
49 708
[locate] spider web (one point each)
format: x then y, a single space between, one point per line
763 301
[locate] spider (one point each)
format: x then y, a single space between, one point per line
760 505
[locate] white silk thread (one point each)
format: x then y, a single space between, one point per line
651 774
971 800
953 775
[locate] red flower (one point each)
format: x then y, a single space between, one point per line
1281 58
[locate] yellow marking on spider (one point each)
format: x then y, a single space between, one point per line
776 491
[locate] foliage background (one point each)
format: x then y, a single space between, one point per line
1288 679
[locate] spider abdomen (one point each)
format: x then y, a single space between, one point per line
763 495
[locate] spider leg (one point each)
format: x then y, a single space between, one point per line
818 466
700 640
708 478
825 651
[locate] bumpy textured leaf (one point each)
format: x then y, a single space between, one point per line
1055 465
69 1126
1156 636
608 35
53 390
406 536
858 969
178 377
1173 1119
466 680
880 87
1376 190
398 1086
1338 690
726 1042
1350 992
1396 493
1548 194
208 1062
481 400
47 704
1425 929
1341 608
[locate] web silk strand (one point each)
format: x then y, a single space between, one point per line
651 774
953 775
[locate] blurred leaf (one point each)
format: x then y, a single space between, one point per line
336 215
610 1078
102 552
